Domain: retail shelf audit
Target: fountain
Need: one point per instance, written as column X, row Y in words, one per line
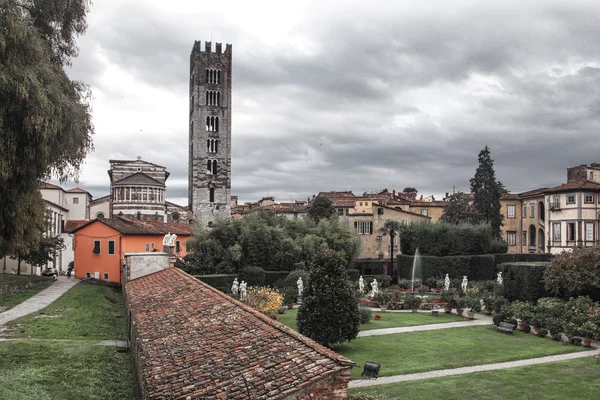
column 416, row 270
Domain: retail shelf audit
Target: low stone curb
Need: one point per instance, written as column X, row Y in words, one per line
column 478, row 321
column 468, row 370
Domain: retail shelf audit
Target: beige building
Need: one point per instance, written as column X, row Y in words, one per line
column 432, row 208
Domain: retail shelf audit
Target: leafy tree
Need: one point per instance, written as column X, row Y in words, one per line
column 45, row 118
column 46, row 250
column 487, row 192
column 320, row 208
column 329, row 311
column 410, row 190
column 393, row 229
column 575, row 273
column 459, row 210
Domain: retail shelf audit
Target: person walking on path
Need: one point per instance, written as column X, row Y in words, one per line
column 39, row 301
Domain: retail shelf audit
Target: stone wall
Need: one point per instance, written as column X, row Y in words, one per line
column 15, row 286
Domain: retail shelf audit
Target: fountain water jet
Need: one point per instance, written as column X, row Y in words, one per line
column 416, row 270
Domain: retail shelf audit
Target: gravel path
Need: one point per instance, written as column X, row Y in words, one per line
column 469, row 370
column 479, row 320
column 40, row 300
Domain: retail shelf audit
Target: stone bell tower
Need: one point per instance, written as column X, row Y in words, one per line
column 209, row 172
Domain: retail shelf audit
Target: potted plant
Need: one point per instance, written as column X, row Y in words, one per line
column 383, row 299
column 474, row 304
column 289, row 296
column 498, row 303
column 488, row 303
column 413, row 302
column 523, row 311
column 588, row 331
column 460, row 304
column 448, row 297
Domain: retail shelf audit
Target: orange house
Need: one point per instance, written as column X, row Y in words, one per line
column 101, row 244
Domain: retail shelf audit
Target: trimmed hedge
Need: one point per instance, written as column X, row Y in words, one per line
column 370, row 267
column 475, row 267
column 522, row 257
column 524, row 280
column 223, row 282
column 443, row 239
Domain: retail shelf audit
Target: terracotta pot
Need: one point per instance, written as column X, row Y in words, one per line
column 383, row 307
column 522, row 326
column 377, row 317
column 459, row 312
column 535, row 330
column 290, row 306
column 414, row 309
column 471, row 314
column 487, row 311
column 585, row 342
column 447, row 309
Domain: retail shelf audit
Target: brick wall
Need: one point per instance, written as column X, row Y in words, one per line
column 334, row 387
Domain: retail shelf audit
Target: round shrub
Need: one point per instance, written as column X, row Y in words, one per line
column 365, row 315
column 254, row 276
column 497, row 318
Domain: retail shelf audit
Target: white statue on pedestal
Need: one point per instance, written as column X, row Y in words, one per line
column 374, row 288
column 361, row 285
column 243, row 290
column 500, row 279
column 464, row 283
column 447, row 283
column 235, row 288
column 300, row 287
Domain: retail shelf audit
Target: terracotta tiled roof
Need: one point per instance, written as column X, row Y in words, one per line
column 575, row 185
column 102, row 199
column 344, row 203
column 429, row 203
column 533, row 193
column 73, row 224
column 135, row 227
column 77, row 190
column 46, row 185
column 336, row 195
column 198, row 343
column 510, row 196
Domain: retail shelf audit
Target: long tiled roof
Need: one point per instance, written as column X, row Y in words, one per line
column 46, row 185
column 139, row 227
column 73, row 224
column 77, row 190
column 533, row 193
column 575, row 185
column 198, row 343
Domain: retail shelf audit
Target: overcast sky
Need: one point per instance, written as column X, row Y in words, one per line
column 351, row 95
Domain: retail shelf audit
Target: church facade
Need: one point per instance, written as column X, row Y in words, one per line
column 209, row 170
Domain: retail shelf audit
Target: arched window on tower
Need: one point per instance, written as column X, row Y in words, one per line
column 209, row 167
column 211, row 195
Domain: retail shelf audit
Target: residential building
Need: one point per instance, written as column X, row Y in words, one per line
column 510, row 207
column 194, row 342
column 431, row 208
column 532, row 237
column 209, row 170
column 100, row 245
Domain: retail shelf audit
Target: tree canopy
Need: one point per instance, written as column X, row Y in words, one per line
column 262, row 239
column 45, row 117
column 459, row 210
column 320, row 208
column 487, row 192
column 329, row 311
column 575, row 273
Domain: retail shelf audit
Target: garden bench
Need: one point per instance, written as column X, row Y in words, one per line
column 435, row 312
column 505, row 327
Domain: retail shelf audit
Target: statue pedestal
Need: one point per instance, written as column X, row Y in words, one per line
column 299, row 299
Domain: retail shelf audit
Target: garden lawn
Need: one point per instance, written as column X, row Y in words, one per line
column 86, row 311
column 9, row 300
column 18, row 278
column 67, row 370
column 573, row 379
column 406, row 353
column 388, row 319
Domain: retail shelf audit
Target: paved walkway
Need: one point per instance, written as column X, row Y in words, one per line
column 469, row 370
column 478, row 321
column 40, row 300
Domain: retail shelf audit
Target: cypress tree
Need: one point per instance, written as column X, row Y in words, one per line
column 487, row 192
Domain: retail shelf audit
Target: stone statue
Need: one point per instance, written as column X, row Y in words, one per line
column 374, row 288
column 447, row 283
column 464, row 283
column 500, row 279
column 243, row 291
column 235, row 288
column 361, row 285
column 300, row 287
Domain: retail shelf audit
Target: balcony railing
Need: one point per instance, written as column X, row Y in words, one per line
column 554, row 205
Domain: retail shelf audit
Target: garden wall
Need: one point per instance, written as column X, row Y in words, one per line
column 15, row 286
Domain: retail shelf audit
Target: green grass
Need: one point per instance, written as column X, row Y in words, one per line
column 85, row 312
column 18, row 278
column 573, row 379
column 388, row 319
column 9, row 300
column 66, row 370
column 406, row 353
